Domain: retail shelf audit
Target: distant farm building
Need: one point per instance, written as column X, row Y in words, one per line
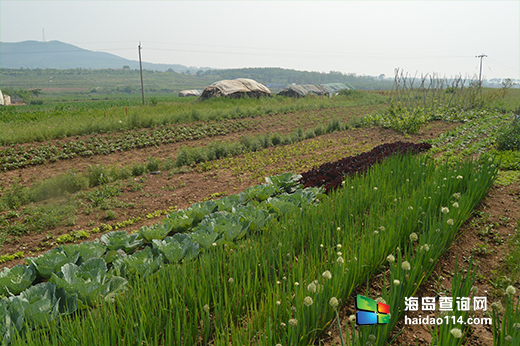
column 235, row 88
column 335, row 87
column 310, row 89
column 194, row 92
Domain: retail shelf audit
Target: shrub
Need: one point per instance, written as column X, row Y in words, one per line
column 276, row 139
column 334, row 125
column 98, row 175
column 152, row 164
column 16, row 196
column 319, row 130
column 509, row 137
column 356, row 122
column 309, row 134
column 138, row 170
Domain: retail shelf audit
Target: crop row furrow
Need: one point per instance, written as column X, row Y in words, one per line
column 22, row 156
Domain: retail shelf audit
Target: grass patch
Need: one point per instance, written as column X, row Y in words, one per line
column 69, row 120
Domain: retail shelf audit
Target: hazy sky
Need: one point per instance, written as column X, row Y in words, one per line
column 362, row 37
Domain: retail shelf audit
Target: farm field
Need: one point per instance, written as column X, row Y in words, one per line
column 74, row 192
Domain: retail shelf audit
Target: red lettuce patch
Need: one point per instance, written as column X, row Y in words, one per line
column 330, row 175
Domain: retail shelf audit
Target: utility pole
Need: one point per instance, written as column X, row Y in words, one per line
column 141, row 68
column 481, row 56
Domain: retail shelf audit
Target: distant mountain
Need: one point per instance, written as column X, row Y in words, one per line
column 59, row 55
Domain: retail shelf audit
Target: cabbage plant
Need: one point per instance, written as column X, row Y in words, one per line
column 89, row 281
column 52, row 261
column 142, row 263
column 116, row 240
column 15, row 280
column 177, row 247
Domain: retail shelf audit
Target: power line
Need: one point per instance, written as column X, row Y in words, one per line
column 503, row 65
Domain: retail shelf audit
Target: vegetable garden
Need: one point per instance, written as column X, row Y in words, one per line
column 275, row 263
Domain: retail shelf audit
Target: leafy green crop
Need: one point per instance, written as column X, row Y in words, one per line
column 231, row 226
column 260, row 192
column 178, row 221
column 176, row 248
column 279, row 207
column 142, row 263
column 16, row 279
column 52, row 261
column 157, row 231
column 198, row 210
column 256, row 217
column 227, row 203
column 44, row 301
column 11, row 319
column 85, row 250
column 287, row 182
column 36, row 306
column 116, row 240
column 89, row 281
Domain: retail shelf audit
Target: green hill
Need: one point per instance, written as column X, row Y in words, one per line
column 59, row 55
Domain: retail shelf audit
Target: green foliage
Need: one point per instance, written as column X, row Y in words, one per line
column 7, row 257
column 509, row 137
column 506, row 178
column 152, row 164
column 36, row 218
column 16, row 196
column 140, row 264
column 17, row 279
column 89, row 281
column 135, row 125
column 44, row 302
column 116, row 240
column 176, row 248
column 11, row 319
column 199, row 210
column 285, row 182
column 51, row 261
column 508, row 159
column 218, row 149
column 260, row 192
column 25, row 95
column 256, row 217
column 64, row 238
column 158, row 232
column 461, row 287
column 400, row 118
column 85, row 250
column 68, row 183
column 228, row 227
column 302, row 246
column 178, row 221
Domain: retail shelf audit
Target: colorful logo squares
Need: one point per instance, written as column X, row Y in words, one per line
column 370, row 311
